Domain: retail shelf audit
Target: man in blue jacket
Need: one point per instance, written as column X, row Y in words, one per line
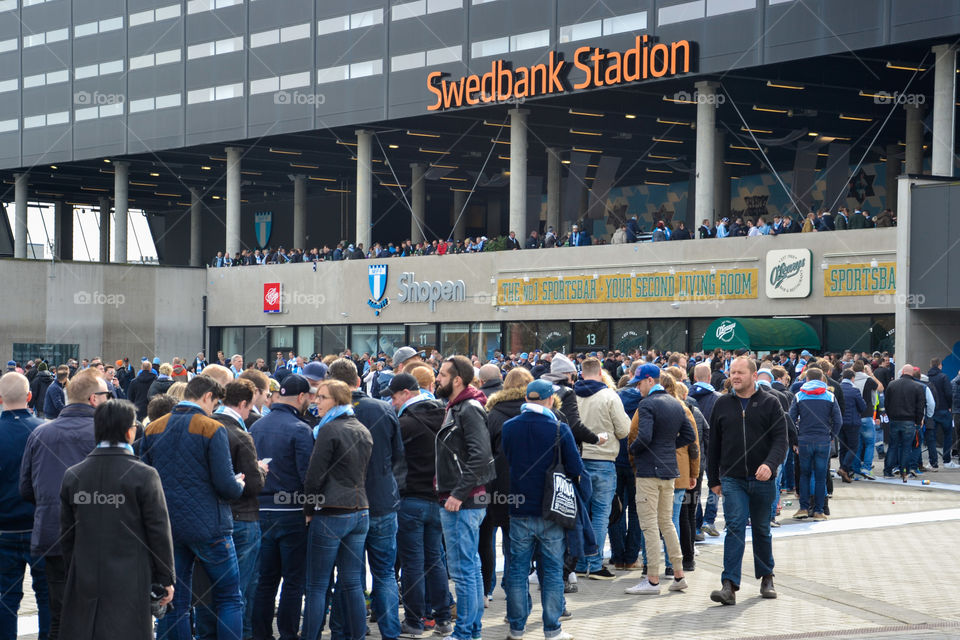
column 385, row 472
column 528, row 441
column 625, row 534
column 818, row 418
column 191, row 453
column 941, row 421
column 55, row 398
column 850, row 431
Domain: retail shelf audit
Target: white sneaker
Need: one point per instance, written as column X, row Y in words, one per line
column 572, row 578
column 533, row 579
column 513, row 635
column 563, row 635
column 951, row 465
column 643, row 588
column 678, row 585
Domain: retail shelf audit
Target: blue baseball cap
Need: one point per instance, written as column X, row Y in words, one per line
column 540, row 390
column 156, row 361
column 806, row 354
column 524, row 356
column 645, row 371
column 315, row 371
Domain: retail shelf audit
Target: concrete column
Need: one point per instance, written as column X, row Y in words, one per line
column 300, row 212
column 944, row 108
column 62, row 230
column 518, row 172
column 196, row 233
column 104, row 230
column 459, row 216
column 914, row 139
column 706, row 151
column 232, row 245
column 553, row 189
column 418, row 203
column 20, row 219
column 121, row 185
column 721, row 181
column 364, row 187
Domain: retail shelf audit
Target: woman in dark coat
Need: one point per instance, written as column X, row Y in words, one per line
column 115, row 535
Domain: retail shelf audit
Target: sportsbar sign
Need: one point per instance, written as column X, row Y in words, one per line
column 596, row 67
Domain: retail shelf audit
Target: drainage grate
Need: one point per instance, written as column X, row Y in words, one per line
column 857, row 632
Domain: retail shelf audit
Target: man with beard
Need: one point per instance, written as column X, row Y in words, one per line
column 285, row 439
column 464, row 466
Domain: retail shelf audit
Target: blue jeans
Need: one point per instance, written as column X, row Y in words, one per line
column 900, row 449
column 382, row 556
column 218, row 558
column 778, row 482
column 461, row 532
column 787, row 475
column 283, row 554
column 336, row 541
column 603, row 474
column 525, row 534
column 849, row 447
column 677, row 505
column 814, row 459
column 941, row 422
column 709, row 514
column 424, row 571
column 868, row 438
column 742, row 499
column 14, row 558
column 625, row 532
column 246, row 539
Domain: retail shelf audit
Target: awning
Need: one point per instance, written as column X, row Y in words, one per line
column 760, row 334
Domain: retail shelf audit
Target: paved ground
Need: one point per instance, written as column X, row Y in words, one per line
column 883, row 567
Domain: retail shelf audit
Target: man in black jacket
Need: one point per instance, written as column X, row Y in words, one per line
column 905, row 402
column 512, row 242
column 138, row 390
column 941, row 421
column 418, row 540
column 748, row 441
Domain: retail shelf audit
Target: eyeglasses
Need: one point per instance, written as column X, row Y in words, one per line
column 101, row 393
column 321, row 396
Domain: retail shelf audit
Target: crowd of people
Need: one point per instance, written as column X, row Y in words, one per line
column 227, row 500
column 628, row 232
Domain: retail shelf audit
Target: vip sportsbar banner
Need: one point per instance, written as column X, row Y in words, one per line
column 721, row 284
column 860, row 279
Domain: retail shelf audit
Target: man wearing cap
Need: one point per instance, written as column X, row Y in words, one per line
column 402, row 357
column 563, row 374
column 662, row 427
column 419, row 542
column 601, row 411
column 314, row 372
column 528, row 441
column 285, row 438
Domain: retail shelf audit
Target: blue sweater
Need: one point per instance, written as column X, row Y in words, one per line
column 16, row 514
column 191, row 452
column 855, row 404
column 387, row 467
column 630, row 397
column 816, row 413
column 527, row 442
column 284, row 437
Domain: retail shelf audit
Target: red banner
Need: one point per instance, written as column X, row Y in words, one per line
column 272, row 297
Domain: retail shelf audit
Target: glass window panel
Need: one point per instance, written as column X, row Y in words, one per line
column 630, row 22
column 553, row 336
column 196, row 6
column 200, row 95
column 848, row 332
column 306, row 341
column 106, row 111
column 58, row 76
column 254, row 344
column 422, row 336
column 229, row 91
column 333, row 74
column 366, row 18
column 264, row 85
column 296, row 32
column 85, row 29
column 281, row 338
column 591, row 336
column 114, row 66
column 294, row 80
column 8, row 45
column 698, row 327
column 34, row 81
column 392, row 337
column 717, row 7
column 629, row 335
column 34, row 40
column 60, row 117
column 57, row 35
column 530, row 40
column 229, row 45
column 8, row 125
column 363, row 339
column 170, row 100
column 165, row 57
column 334, row 340
column 409, row 10
column 333, row 25
column 369, row 68
column 201, row 50
column 445, row 55
column 454, row 338
column 87, row 71
column 264, row 38
column 8, row 5
column 111, row 24
column 668, row 335
column 170, row 11
column 521, row 336
column 486, row 340
column 141, row 17
column 492, row 47
column 231, row 341
column 145, row 104
column 9, row 85
column 681, row 12
column 407, row 61
column 582, row 31
column 139, row 62
column 89, row 113
column 38, row 121
column 436, row 6
column 883, row 333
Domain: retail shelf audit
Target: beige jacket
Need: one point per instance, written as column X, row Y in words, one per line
column 603, row 412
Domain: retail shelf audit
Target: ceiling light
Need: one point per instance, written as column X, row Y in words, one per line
column 224, row 159
column 496, row 124
column 741, row 164
column 319, row 179
column 143, row 184
column 393, row 146
column 443, row 166
column 824, row 155
column 574, row 112
column 585, row 133
column 749, row 130
column 630, row 116
column 680, row 123
column 336, row 190
column 678, row 100
column 345, row 143
column 437, row 151
column 857, row 118
column 738, row 146
column 275, row 150
column 107, row 160
column 92, row 189
column 304, row 166
column 453, row 179
column 423, row 135
column 216, row 197
column 461, row 190
column 169, row 195
column 205, row 168
column 656, row 139
column 662, row 184
column 153, row 174
column 392, row 184
column 769, row 109
column 659, row 170
column 813, row 134
column 564, row 162
column 904, row 67
column 503, row 157
column 496, row 141
column 653, row 155
column 53, row 166
column 248, row 173
column 777, row 84
column 587, row 150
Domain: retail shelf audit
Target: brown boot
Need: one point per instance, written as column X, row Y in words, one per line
column 766, row 587
column 726, row 595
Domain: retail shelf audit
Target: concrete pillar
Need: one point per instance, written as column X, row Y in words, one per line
column 518, row 172
column 944, row 108
column 364, row 187
column 914, row 139
column 121, row 185
column 418, row 203
column 104, row 230
column 459, row 215
column 706, row 151
column 553, row 189
column 299, row 212
column 232, row 245
column 721, row 182
column 196, row 233
column 62, row 230
column 20, row 219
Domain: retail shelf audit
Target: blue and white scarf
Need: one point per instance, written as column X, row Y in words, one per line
column 336, row 412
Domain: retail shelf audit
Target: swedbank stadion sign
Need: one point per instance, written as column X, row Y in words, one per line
column 591, row 67
column 789, row 272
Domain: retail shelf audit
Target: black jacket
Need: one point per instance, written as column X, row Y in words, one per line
column 138, row 390
column 337, row 475
column 463, row 457
column 243, row 453
column 512, row 243
column 786, row 399
column 491, row 387
column 905, row 399
column 570, row 414
column 500, row 408
column 662, row 428
column 742, row 440
column 942, row 392
column 158, row 387
column 38, row 389
column 387, row 469
column 419, row 424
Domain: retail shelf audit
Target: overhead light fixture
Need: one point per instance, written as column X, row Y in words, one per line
column 248, row 173
column 678, row 100
column 734, row 162
column 205, row 168
column 303, row 166
column 219, row 159
column 653, row 155
column 496, row 141
column 856, row 118
column 154, row 174
column 437, row 151
column 583, row 132
column 506, row 173
column 215, row 197
column 169, row 195
column 656, row 139
column 904, row 66
column 392, row 184
column 824, row 155
column 592, row 114
column 143, row 184
column 53, row 166
column 92, row 189
column 749, row 130
column 393, row 146
column 777, row 84
column 593, row 166
column 757, row 107
column 679, row 123
column 336, row 190
column 503, row 157
column 320, row 179
column 461, row 190
column 564, row 162
column 107, row 160
column 346, row 143
column 813, row 134
column 443, row 166
column 496, row 124
column 423, row 135
column 659, row 170
column 581, row 150
column 453, row 179
column 660, row 184
column 744, row 148
column 288, row 152
column 107, row 171
column 630, row 116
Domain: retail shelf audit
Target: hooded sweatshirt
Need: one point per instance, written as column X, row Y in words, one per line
column 816, row 413
column 601, row 410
